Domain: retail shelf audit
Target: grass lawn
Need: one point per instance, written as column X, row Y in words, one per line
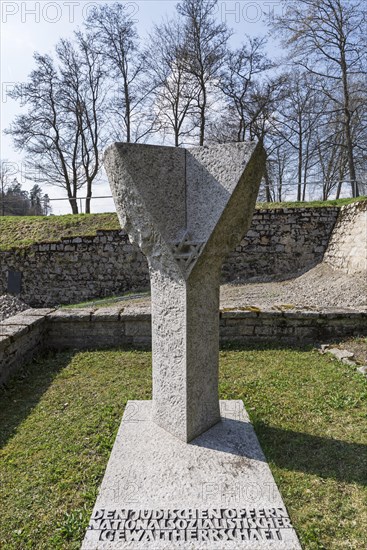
column 23, row 231
column 58, row 423
column 310, row 204
column 110, row 301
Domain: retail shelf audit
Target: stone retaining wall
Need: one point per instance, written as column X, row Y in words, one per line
column 347, row 249
column 76, row 269
column 33, row 330
column 280, row 242
column 84, row 328
column 21, row 338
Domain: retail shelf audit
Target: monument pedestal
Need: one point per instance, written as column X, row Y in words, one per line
column 215, row 493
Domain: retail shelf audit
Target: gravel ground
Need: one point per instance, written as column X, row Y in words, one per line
column 10, row 305
column 319, row 288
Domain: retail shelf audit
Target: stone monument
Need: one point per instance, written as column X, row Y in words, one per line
column 186, row 209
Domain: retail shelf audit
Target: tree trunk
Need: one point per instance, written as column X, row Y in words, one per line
column 267, row 185
column 339, row 190
column 2, row 199
column 348, row 132
column 89, row 196
column 299, row 184
column 280, row 186
column 127, row 110
column 304, row 191
column 74, row 205
column 300, row 158
column 340, row 183
column 324, row 193
column 202, row 115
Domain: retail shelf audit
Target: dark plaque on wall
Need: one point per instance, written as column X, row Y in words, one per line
column 14, row 282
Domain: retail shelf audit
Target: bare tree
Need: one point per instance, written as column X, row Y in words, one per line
column 60, row 132
column 175, row 89
column 43, row 131
column 238, row 80
column 115, row 39
column 326, row 38
column 359, row 129
column 83, row 96
column 296, row 122
column 250, row 100
column 279, row 165
column 206, row 42
column 331, row 155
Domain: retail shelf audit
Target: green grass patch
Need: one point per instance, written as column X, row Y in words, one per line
column 109, row 301
column 310, row 204
column 58, row 424
column 23, row 231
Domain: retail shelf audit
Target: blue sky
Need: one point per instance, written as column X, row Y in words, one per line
column 29, row 26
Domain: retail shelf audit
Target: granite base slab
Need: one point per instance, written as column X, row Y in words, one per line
column 214, row 493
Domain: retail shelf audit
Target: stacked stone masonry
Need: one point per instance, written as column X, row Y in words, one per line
column 347, row 248
column 21, row 338
column 76, row 269
column 279, row 242
column 28, row 333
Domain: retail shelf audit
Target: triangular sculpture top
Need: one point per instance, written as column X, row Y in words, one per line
column 179, row 193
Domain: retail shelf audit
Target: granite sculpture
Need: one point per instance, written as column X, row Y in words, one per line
column 186, row 209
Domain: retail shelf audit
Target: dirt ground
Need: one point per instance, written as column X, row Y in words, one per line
column 319, row 288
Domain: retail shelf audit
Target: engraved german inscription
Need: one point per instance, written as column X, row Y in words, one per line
column 188, row 524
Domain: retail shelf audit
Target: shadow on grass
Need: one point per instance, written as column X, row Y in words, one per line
column 24, row 391
column 322, row 456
